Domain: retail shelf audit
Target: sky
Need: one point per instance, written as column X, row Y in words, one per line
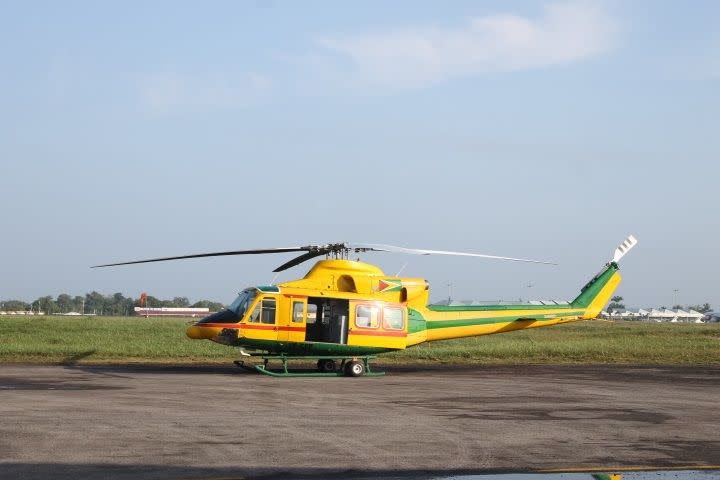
column 548, row 130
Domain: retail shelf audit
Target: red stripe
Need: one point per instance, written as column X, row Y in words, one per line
column 270, row 327
column 234, row 326
column 257, row 327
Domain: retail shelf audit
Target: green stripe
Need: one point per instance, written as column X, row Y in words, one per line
column 309, row 348
column 492, row 308
column 593, row 287
column 416, row 322
column 468, row 322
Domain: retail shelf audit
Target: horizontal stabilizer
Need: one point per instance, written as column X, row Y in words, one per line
column 624, row 247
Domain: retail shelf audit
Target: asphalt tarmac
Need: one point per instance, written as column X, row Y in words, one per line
column 165, row 422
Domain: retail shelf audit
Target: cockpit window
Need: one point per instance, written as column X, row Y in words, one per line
column 236, row 310
column 241, row 303
column 264, row 312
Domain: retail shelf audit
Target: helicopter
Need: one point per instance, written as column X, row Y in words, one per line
column 344, row 312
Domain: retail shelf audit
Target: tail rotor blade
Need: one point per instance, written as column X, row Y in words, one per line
column 624, row 248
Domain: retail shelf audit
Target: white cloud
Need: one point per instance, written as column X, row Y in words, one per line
column 415, row 57
column 166, row 92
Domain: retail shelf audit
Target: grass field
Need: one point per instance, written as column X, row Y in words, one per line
column 90, row 340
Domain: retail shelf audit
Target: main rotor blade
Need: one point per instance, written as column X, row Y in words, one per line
column 298, row 260
column 212, row 254
column 417, row 251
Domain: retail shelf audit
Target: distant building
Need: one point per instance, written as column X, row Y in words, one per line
column 20, row 312
column 656, row 315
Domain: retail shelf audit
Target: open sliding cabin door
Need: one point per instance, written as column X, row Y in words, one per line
column 327, row 320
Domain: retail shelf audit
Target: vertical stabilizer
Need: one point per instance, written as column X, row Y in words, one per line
column 598, row 291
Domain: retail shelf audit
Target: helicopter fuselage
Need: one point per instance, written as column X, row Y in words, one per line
column 344, row 307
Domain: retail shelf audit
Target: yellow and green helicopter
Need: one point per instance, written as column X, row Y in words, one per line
column 348, row 311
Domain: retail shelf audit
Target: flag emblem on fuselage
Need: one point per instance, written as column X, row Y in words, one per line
column 389, row 286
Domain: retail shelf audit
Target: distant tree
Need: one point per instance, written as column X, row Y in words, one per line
column 94, row 303
column 213, row 306
column 180, row 302
column 64, row 302
column 704, row 308
column 77, row 303
column 45, row 304
column 117, row 304
column 15, row 305
column 615, row 303
column 677, row 307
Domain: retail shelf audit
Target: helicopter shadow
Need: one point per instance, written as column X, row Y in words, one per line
column 124, row 370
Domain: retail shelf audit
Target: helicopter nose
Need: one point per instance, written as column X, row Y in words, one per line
column 198, row 332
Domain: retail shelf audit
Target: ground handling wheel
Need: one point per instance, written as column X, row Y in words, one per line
column 326, row 365
column 354, row 368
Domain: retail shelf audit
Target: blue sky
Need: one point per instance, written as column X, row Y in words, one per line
column 544, row 130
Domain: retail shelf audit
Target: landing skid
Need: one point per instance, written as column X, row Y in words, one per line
column 349, row 366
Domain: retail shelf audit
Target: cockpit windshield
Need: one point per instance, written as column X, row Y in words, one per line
column 241, row 303
column 236, row 310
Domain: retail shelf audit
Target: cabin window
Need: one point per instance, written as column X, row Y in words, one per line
column 366, row 316
column 298, row 312
column 264, row 312
column 268, row 311
column 311, row 313
column 393, row 318
column 255, row 315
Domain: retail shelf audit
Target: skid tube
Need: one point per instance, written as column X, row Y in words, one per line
column 339, row 372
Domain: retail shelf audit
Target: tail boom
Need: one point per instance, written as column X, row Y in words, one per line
column 442, row 322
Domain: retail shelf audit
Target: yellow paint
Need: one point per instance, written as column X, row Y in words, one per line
column 197, row 332
column 603, row 297
column 363, row 284
column 286, row 317
column 489, row 314
column 488, row 329
column 416, row 338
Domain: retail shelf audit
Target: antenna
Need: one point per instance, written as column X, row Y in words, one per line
column 401, row 269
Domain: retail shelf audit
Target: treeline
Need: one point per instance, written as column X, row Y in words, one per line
column 616, row 304
column 99, row 304
column 704, row 308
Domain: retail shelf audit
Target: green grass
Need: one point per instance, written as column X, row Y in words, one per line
column 128, row 340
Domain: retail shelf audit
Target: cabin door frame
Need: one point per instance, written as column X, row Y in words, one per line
column 292, row 326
